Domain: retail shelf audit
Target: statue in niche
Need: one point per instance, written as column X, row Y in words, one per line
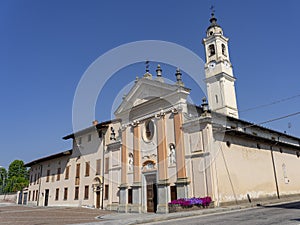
column 172, row 156
column 130, row 161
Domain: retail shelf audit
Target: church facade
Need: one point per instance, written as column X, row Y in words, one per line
column 160, row 148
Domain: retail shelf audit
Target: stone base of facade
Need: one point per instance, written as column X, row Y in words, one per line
column 123, row 198
column 134, row 208
column 113, row 207
column 123, row 208
column 162, row 208
column 182, row 189
column 163, row 197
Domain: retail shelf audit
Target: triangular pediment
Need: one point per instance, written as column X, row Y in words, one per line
column 145, row 91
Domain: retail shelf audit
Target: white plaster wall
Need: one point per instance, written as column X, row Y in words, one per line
column 245, row 170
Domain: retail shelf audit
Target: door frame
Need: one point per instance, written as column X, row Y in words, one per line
column 148, row 177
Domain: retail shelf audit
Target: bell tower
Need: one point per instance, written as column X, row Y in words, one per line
column 218, row 71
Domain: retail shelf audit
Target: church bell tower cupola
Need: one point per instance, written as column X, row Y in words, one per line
column 218, row 71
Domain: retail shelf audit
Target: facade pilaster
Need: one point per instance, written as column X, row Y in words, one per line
column 123, row 186
column 162, row 185
column 136, row 187
column 182, row 180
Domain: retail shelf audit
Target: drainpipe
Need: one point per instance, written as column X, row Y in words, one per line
column 40, row 181
column 102, row 135
column 103, row 149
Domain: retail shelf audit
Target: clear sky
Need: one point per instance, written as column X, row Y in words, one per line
column 46, row 46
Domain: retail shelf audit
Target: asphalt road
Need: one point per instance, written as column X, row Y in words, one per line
column 286, row 214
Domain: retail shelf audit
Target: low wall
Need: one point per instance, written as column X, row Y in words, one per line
column 8, row 198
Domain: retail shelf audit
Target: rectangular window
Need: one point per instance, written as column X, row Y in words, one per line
column 87, row 169
column 106, row 189
column 86, row 192
column 58, row 173
column 76, row 193
column 77, row 177
column 67, row 172
column 56, row 194
column 48, row 176
column 34, row 178
column 173, row 193
column 106, row 165
column 36, row 195
column 129, row 196
column 38, row 179
column 89, row 137
column 66, row 194
column 30, row 179
column 29, row 193
column 77, row 170
column 98, row 166
column 33, row 195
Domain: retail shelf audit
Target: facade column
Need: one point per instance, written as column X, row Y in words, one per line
column 136, row 187
column 182, row 181
column 162, row 158
column 123, row 186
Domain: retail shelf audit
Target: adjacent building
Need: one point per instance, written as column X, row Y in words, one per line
column 160, row 147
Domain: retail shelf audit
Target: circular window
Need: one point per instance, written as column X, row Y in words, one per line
column 148, row 130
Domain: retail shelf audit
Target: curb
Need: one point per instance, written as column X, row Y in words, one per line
column 177, row 215
column 186, row 214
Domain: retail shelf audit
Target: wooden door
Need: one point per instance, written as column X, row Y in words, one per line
column 46, row 197
column 151, row 198
column 98, row 199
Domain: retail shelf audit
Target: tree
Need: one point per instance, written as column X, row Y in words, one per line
column 15, row 184
column 17, row 169
column 3, row 178
column 17, row 177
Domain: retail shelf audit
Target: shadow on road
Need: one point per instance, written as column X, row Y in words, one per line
column 293, row 205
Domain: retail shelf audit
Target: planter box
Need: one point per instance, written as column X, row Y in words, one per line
column 179, row 208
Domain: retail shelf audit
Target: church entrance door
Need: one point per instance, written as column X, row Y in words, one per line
column 151, row 191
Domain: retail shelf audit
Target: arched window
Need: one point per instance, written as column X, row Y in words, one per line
column 223, row 49
column 211, row 49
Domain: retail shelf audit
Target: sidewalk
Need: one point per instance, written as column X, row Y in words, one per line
column 3, row 204
column 142, row 218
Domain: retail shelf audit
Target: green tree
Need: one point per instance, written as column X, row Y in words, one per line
column 15, row 184
column 3, row 178
column 17, row 177
column 17, row 169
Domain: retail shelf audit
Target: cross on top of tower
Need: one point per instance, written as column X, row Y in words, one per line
column 213, row 19
column 147, row 66
column 147, row 74
column 212, row 9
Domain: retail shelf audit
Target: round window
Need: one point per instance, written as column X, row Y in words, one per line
column 148, row 130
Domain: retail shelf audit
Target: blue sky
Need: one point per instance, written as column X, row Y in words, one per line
column 46, row 46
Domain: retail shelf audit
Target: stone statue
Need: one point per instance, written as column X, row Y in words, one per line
column 172, row 158
column 130, row 161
